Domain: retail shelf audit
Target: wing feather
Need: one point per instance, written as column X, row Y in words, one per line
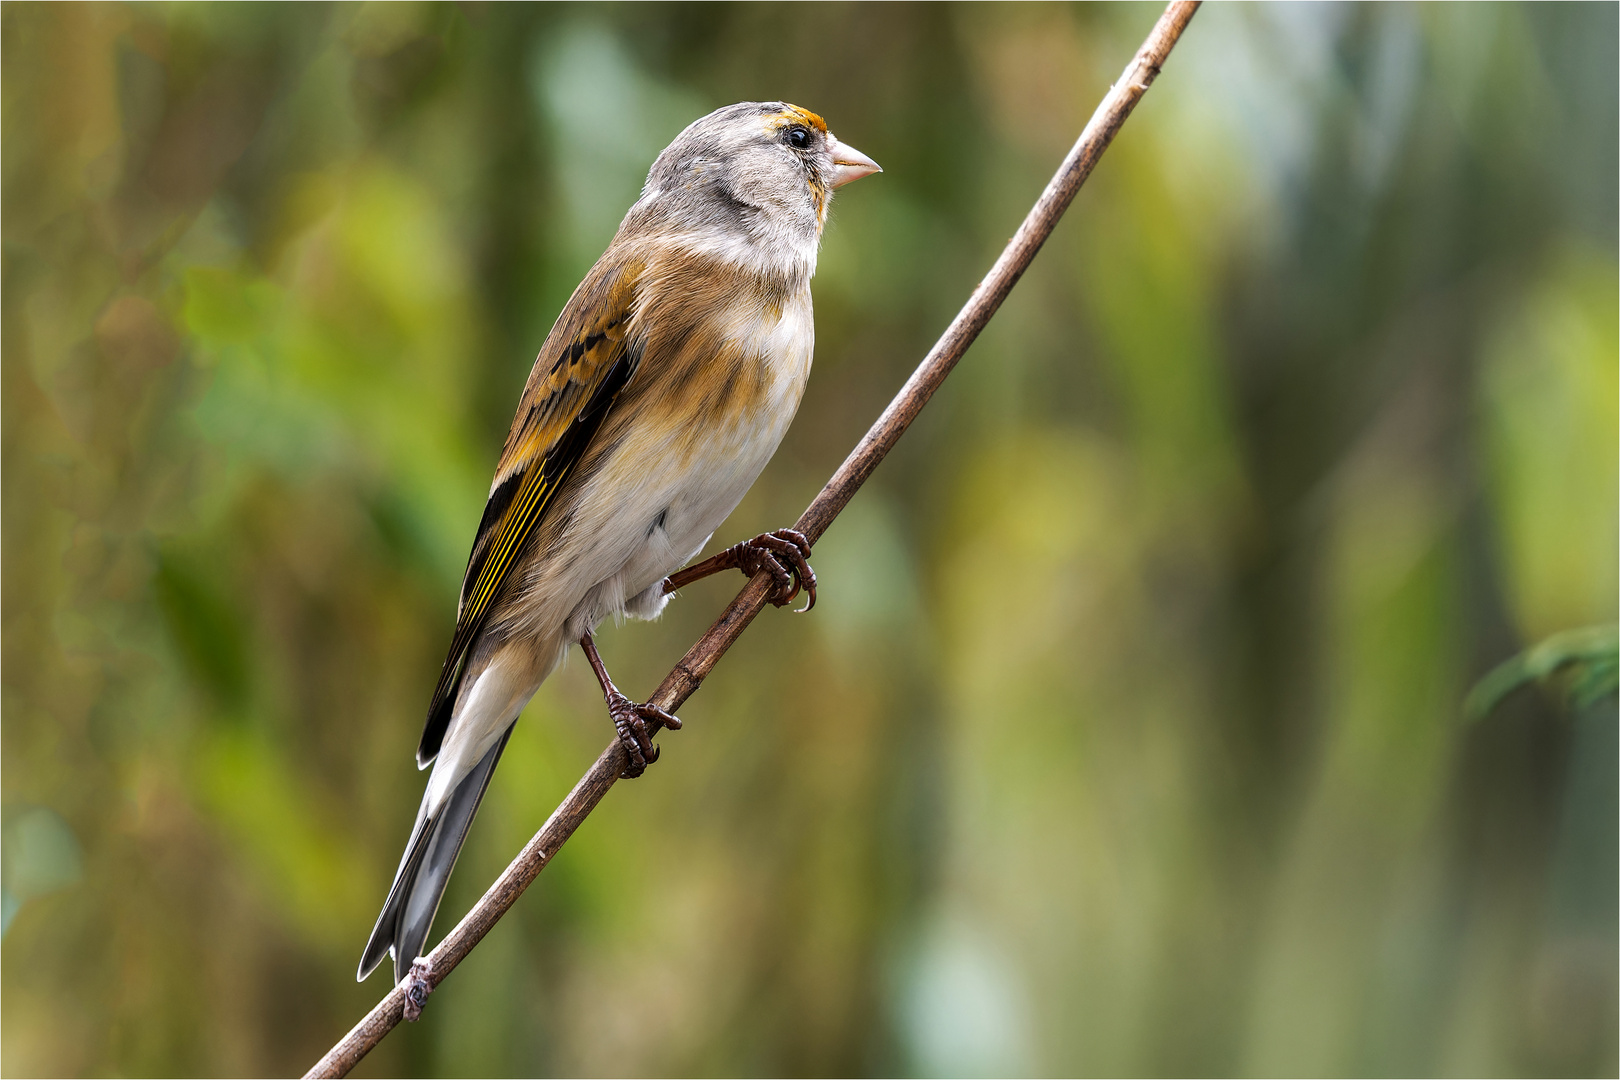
column 585, row 364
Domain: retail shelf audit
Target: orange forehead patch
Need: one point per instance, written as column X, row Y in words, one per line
column 793, row 114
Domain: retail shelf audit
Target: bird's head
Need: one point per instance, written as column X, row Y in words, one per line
column 766, row 167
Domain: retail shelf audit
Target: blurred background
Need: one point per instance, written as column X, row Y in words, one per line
column 1128, row 735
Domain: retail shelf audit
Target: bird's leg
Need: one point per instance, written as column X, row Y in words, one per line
column 629, row 719
column 783, row 552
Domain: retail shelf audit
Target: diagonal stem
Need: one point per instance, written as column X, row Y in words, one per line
column 701, row 658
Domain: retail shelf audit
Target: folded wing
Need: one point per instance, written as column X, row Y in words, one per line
column 585, row 364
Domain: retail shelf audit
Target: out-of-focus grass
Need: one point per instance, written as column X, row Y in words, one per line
column 1125, row 737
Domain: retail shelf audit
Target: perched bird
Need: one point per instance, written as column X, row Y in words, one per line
column 659, row 395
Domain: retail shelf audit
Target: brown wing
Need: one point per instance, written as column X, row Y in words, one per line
column 582, row 368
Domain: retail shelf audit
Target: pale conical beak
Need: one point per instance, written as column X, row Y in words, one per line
column 850, row 164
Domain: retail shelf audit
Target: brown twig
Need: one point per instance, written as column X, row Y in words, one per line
column 701, row 658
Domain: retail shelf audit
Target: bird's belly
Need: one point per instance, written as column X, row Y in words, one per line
column 655, row 502
column 666, row 518
column 700, row 487
column 700, row 498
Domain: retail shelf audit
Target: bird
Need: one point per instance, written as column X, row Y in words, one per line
column 663, row 388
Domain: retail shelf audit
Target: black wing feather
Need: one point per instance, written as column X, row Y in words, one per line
column 532, row 489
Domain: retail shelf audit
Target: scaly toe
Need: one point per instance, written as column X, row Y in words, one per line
column 632, row 730
column 649, row 711
column 796, row 538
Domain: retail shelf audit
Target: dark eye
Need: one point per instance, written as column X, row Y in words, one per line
column 798, row 137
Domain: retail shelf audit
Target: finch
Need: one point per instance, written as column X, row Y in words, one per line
column 664, row 387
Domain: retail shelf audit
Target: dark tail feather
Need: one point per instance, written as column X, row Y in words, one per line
column 402, row 928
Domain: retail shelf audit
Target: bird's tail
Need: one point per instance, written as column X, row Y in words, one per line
column 402, row 928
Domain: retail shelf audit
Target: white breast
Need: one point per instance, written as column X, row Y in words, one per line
column 653, row 506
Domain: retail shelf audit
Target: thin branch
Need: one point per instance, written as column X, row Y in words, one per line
column 701, row 658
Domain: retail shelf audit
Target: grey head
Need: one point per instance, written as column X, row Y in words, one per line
column 766, row 167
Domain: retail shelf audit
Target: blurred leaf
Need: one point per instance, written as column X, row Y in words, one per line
column 222, row 309
column 1551, row 414
column 205, row 628
column 1592, row 654
column 41, row 856
column 283, row 831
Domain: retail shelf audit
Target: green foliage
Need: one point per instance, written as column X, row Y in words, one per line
column 1589, row 657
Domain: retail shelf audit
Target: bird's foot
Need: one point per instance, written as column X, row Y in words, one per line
column 418, row 985
column 630, row 721
column 783, row 553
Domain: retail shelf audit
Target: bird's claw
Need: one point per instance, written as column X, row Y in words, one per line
column 630, row 721
column 418, row 985
column 785, row 554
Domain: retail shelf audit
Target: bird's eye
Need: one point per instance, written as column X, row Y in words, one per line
column 798, row 137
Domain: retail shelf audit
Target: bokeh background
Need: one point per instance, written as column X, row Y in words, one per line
column 1127, row 737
